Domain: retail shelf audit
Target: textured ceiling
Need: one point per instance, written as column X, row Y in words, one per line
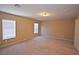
column 56, row 11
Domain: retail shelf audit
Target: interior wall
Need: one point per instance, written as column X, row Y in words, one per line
column 24, row 28
column 60, row 29
column 0, row 28
column 76, row 39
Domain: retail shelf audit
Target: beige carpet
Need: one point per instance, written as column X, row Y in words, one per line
column 41, row 46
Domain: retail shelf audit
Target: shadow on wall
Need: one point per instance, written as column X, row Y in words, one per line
column 62, row 29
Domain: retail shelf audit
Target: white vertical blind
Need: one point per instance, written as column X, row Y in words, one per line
column 8, row 29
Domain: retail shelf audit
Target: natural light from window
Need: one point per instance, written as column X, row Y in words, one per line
column 35, row 27
column 8, row 29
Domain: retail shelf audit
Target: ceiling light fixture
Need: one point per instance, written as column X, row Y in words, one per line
column 44, row 14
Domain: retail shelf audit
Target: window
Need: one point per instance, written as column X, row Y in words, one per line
column 35, row 27
column 9, row 29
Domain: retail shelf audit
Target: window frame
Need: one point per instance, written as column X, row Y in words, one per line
column 6, row 37
column 36, row 31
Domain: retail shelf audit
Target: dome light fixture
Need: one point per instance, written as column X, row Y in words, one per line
column 44, row 14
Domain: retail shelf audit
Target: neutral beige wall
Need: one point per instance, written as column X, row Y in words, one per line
column 24, row 27
column 61, row 29
column 76, row 39
column 0, row 28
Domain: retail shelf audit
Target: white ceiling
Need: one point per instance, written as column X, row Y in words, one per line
column 56, row 11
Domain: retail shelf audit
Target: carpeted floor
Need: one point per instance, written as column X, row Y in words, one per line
column 41, row 46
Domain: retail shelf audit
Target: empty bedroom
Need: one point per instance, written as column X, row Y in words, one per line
column 39, row 29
